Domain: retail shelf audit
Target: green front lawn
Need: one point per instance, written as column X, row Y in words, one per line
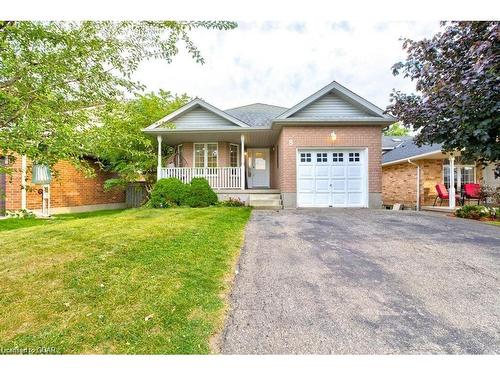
column 135, row 281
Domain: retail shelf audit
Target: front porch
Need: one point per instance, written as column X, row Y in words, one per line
column 413, row 182
column 228, row 161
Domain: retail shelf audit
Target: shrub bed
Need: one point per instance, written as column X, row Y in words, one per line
column 169, row 192
column 477, row 212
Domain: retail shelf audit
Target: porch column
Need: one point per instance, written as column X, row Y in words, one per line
column 451, row 192
column 158, row 170
column 242, row 163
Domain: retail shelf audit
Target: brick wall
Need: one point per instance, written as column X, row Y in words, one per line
column 69, row 188
column 292, row 138
column 431, row 175
column 399, row 182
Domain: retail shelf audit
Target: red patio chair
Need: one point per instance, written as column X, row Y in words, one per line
column 471, row 191
column 443, row 194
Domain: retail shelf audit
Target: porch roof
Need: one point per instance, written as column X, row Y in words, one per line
column 409, row 150
column 253, row 137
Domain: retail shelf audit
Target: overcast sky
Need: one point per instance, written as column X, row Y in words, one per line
column 283, row 62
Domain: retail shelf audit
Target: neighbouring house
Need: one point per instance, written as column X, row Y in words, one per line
column 407, row 166
column 70, row 189
column 322, row 152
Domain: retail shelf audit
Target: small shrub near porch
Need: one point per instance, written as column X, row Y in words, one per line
column 171, row 192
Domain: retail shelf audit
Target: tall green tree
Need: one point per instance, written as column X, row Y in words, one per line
column 397, row 130
column 457, row 76
column 119, row 143
column 51, row 73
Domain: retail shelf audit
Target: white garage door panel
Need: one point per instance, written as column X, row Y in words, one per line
column 338, row 171
column 306, row 171
column 323, row 186
column 305, row 185
column 332, row 178
column 305, row 200
column 322, row 199
column 354, row 171
column 322, row 171
column 338, row 185
column 354, row 185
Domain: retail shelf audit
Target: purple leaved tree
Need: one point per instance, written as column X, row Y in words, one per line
column 457, row 76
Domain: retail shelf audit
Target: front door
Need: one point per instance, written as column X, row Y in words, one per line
column 258, row 167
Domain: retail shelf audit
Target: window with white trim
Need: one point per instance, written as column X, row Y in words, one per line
column 464, row 174
column 180, row 155
column 305, row 157
column 205, row 155
column 234, row 155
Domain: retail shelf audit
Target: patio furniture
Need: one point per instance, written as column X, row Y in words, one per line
column 443, row 194
column 471, row 191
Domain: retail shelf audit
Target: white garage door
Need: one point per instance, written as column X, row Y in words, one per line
column 331, row 178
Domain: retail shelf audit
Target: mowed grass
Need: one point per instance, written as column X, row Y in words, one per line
column 136, row 281
column 13, row 223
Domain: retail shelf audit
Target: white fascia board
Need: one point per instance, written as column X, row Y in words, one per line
column 333, row 120
column 189, row 106
column 335, row 86
column 202, row 130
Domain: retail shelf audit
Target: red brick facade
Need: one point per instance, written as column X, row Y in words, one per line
column 69, row 188
column 292, row 138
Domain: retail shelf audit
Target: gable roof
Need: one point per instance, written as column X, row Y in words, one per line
column 257, row 115
column 196, row 103
column 342, row 106
column 344, row 93
column 408, row 149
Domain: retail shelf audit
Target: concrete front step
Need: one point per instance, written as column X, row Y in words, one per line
column 265, row 201
column 258, row 197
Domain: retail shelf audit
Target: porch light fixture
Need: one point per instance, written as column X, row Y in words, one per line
column 333, row 136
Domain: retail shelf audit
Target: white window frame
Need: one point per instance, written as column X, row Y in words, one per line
column 458, row 173
column 238, row 158
column 178, row 157
column 205, row 154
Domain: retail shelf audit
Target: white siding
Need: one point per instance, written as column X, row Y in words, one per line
column 201, row 118
column 331, row 105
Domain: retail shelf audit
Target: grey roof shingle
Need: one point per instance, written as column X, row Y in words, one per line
column 392, row 141
column 257, row 115
column 408, row 149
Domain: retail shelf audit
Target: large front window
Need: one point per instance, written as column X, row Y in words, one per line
column 205, row 155
column 464, row 174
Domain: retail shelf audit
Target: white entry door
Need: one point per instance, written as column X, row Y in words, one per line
column 258, row 167
column 332, row 178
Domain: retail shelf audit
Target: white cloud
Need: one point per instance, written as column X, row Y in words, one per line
column 282, row 63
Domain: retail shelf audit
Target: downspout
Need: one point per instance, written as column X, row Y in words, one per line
column 418, row 183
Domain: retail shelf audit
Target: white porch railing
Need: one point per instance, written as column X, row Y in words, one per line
column 218, row 178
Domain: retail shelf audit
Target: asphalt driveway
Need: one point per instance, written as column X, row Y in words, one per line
column 365, row 282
